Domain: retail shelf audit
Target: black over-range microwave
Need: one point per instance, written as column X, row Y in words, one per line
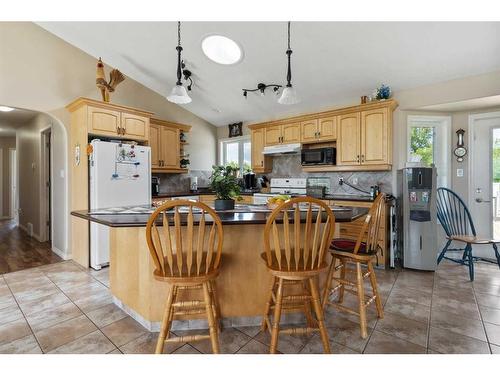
column 319, row 156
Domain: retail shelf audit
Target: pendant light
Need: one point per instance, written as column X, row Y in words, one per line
column 289, row 95
column 179, row 95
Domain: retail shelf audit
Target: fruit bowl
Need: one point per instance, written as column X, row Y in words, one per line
column 276, row 201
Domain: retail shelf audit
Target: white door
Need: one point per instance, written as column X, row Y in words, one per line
column 482, row 188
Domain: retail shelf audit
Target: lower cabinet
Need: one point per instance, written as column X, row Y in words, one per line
column 351, row 230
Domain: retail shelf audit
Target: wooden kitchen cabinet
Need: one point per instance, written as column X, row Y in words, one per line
column 90, row 117
column 135, row 127
column 110, row 121
column 154, row 143
column 170, row 148
column 375, row 136
column 290, row 133
column 349, row 141
column 319, row 130
column 361, row 134
column 272, row 135
column 309, row 131
column 166, row 146
column 351, row 229
column 102, row 121
column 282, row 134
column 327, row 128
column 365, row 139
column 260, row 162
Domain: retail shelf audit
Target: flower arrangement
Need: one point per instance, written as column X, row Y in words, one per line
column 383, row 92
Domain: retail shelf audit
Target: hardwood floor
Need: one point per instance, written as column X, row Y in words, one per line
column 18, row 251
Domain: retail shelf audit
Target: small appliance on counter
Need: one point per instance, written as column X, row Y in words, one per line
column 193, row 184
column 155, row 186
column 319, row 156
column 417, row 227
column 249, row 181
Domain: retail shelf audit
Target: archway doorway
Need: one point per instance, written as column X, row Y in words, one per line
column 34, row 224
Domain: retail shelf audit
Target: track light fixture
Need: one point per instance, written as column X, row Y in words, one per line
column 262, row 88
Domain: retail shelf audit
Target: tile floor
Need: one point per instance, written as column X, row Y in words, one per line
column 62, row 308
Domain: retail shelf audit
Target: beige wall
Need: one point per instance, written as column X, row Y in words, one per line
column 42, row 72
column 6, row 143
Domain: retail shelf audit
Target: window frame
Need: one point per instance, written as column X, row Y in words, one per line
column 241, row 141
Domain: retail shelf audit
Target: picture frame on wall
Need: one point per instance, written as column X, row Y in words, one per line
column 236, row 129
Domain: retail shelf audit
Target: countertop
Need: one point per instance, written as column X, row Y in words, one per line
column 242, row 214
column 339, row 197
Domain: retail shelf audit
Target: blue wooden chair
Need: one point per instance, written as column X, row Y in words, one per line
column 457, row 222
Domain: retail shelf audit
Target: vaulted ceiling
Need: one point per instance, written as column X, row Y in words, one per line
column 333, row 63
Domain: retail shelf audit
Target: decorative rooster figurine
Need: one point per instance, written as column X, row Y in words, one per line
column 115, row 77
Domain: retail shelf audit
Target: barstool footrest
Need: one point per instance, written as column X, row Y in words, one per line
column 343, row 308
column 299, row 330
column 188, row 304
column 297, row 297
column 187, row 338
column 190, row 312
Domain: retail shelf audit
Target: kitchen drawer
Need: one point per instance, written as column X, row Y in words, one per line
column 207, row 198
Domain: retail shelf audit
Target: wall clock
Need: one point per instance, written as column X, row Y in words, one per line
column 460, row 151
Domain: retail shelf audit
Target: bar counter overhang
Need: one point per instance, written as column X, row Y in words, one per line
column 241, row 286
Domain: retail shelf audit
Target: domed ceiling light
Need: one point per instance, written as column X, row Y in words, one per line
column 179, row 95
column 289, row 95
column 222, row 50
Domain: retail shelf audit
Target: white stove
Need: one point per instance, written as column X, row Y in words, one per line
column 295, row 186
column 291, row 186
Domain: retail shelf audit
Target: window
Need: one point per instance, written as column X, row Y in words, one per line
column 429, row 143
column 237, row 152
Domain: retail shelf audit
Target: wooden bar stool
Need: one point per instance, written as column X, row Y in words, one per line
column 295, row 255
column 187, row 259
column 360, row 252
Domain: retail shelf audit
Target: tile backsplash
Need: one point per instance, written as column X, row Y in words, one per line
column 286, row 166
column 171, row 183
column 289, row 166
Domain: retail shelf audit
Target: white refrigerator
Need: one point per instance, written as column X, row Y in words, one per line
column 120, row 175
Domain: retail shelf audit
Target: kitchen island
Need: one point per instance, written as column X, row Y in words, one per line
column 243, row 281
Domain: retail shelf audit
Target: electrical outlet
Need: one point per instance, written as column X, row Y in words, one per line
column 355, row 181
column 341, row 180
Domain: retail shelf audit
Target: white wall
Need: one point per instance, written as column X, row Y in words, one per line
column 31, row 182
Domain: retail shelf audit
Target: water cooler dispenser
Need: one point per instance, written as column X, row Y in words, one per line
column 417, row 225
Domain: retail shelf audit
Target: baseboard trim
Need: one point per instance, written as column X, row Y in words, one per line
column 35, row 236
column 61, row 253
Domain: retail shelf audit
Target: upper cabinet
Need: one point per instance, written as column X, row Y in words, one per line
column 282, row 134
column 134, row 126
column 319, row 130
column 260, row 162
column 348, row 145
column 112, row 120
column 361, row 134
column 365, row 139
column 167, row 149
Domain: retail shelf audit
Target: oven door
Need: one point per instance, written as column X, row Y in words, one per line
column 313, row 156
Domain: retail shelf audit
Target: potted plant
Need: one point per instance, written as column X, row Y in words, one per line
column 224, row 184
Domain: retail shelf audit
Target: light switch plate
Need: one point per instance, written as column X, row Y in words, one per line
column 460, row 172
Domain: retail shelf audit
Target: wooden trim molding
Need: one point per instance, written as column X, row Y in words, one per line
column 77, row 103
column 156, row 121
column 390, row 103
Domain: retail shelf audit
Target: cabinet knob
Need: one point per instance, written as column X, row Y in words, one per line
column 362, row 158
column 357, row 158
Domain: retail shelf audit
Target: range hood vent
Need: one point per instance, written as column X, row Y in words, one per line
column 291, row 148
